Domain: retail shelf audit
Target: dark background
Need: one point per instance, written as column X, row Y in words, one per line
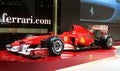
column 70, row 14
column 39, row 9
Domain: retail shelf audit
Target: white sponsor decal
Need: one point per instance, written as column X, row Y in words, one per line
column 102, row 28
column 22, row 20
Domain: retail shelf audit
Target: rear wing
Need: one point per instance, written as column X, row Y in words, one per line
column 103, row 28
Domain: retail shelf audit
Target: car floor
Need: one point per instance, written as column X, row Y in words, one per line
column 107, row 64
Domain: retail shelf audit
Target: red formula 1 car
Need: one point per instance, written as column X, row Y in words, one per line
column 78, row 38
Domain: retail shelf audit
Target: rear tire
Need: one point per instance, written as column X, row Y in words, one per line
column 55, row 45
column 106, row 42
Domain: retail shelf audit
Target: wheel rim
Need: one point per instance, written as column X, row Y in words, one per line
column 58, row 46
column 109, row 42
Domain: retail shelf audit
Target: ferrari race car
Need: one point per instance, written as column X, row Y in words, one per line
column 78, row 38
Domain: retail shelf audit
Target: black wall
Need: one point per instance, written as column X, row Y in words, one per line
column 70, row 14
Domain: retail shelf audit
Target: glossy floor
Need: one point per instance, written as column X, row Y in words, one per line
column 12, row 62
column 107, row 64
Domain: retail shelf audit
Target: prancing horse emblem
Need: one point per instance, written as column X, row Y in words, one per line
column 92, row 11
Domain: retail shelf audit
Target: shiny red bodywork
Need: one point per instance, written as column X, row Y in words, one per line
column 34, row 40
column 76, row 37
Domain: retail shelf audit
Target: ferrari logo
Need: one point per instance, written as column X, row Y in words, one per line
column 65, row 38
column 92, row 11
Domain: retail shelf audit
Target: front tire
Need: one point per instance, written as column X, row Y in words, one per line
column 55, row 45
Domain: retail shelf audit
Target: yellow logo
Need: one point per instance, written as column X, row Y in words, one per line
column 91, row 57
column 82, row 40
